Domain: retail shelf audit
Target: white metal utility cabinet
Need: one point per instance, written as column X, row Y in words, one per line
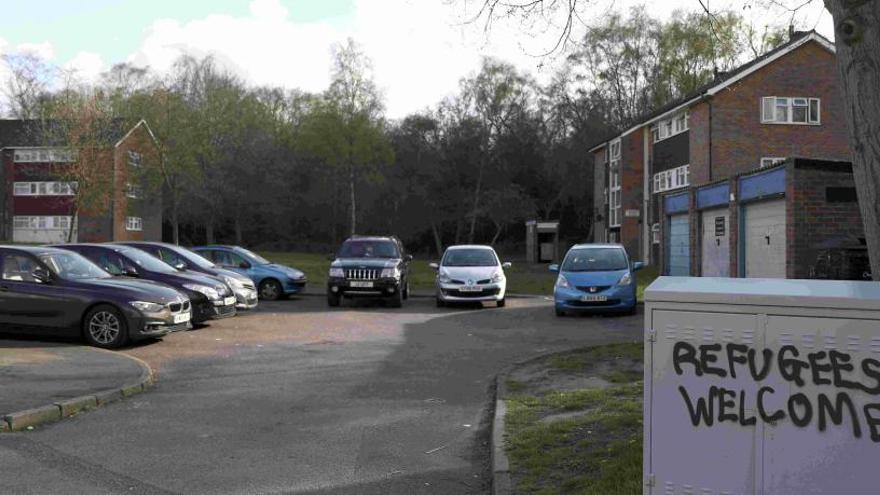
column 762, row 386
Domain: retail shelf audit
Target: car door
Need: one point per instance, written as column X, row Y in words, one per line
column 28, row 302
column 233, row 261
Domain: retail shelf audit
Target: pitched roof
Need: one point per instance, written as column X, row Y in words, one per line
column 723, row 80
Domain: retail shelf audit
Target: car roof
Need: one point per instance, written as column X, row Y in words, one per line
column 371, row 238
column 218, row 246
column 471, row 246
column 605, row 245
column 35, row 250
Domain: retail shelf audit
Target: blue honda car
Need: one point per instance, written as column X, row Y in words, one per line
column 273, row 281
column 596, row 278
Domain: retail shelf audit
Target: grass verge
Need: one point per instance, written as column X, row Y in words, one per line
column 522, row 278
column 582, row 441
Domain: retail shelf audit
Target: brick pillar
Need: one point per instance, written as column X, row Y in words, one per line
column 694, row 227
column 733, row 225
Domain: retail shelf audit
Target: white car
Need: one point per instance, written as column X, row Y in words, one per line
column 470, row 273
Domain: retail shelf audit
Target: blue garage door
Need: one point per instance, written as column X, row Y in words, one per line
column 678, row 246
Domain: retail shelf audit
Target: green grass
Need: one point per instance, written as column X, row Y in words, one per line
column 595, row 447
column 522, row 278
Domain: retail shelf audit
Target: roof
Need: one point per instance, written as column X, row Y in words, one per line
column 722, row 81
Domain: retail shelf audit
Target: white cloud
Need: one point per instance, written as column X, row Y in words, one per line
column 43, row 50
column 86, row 66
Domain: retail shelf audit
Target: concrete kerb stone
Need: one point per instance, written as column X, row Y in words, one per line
column 32, row 418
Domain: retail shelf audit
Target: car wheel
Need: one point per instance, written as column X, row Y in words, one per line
column 270, row 290
column 501, row 303
column 560, row 312
column 105, row 327
column 333, row 299
column 397, row 299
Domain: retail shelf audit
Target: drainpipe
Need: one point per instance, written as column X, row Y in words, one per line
column 710, row 140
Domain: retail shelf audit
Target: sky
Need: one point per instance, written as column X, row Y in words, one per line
column 420, row 49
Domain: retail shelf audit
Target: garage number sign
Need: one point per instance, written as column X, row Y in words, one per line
column 720, row 226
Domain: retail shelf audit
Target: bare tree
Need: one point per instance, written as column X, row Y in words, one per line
column 28, row 84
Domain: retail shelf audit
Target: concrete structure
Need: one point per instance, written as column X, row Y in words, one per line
column 784, row 104
column 40, row 201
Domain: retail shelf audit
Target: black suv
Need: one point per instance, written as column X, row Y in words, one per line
column 369, row 266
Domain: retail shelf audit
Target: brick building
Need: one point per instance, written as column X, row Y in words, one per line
column 691, row 186
column 38, row 199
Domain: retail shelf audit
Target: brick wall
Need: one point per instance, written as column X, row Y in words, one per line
column 149, row 206
column 699, row 143
column 600, row 182
column 739, row 139
column 632, row 175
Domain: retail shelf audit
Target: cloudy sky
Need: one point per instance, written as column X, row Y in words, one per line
column 420, row 48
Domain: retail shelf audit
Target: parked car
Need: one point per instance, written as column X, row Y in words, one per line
column 60, row 292
column 470, row 273
column 596, row 278
column 184, row 259
column 273, row 281
column 211, row 299
column 372, row 267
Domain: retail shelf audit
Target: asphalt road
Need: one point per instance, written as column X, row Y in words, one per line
column 296, row 398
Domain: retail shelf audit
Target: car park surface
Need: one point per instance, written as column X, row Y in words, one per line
column 273, row 281
column 293, row 398
column 211, row 298
column 54, row 291
column 187, row 260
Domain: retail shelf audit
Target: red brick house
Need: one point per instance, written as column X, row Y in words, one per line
column 37, row 203
column 697, row 186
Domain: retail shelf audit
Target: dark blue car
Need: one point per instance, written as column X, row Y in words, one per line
column 52, row 291
column 595, row 278
column 273, row 281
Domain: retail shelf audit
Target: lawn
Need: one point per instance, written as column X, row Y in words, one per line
column 583, row 441
column 522, row 278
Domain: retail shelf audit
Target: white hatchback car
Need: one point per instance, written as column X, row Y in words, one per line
column 470, row 273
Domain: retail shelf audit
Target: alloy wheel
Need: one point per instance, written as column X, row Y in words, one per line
column 104, row 327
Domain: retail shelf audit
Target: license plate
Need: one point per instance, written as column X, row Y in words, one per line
column 182, row 318
column 364, row 285
column 229, row 300
column 594, row 298
column 470, row 289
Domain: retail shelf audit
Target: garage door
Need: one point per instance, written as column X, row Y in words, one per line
column 715, row 247
column 678, row 246
column 765, row 239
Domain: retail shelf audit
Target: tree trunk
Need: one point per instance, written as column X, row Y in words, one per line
column 857, row 39
column 438, row 242
column 72, row 227
column 175, row 224
column 353, row 208
column 238, row 236
column 457, row 231
column 477, row 190
column 498, row 228
column 209, row 232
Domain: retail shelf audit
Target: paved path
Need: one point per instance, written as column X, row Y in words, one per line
column 294, row 398
column 37, row 373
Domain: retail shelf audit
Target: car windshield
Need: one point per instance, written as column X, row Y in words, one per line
column 147, row 261
column 192, row 257
column 470, row 257
column 72, row 266
column 256, row 258
column 368, row 249
column 595, row 260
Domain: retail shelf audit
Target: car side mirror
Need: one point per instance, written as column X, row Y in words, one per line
column 180, row 265
column 554, row 268
column 434, row 266
column 638, row 265
column 506, row 265
column 41, row 275
column 244, row 265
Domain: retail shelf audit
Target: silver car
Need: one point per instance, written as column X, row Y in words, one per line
column 470, row 273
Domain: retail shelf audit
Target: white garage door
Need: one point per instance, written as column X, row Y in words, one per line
column 678, row 246
column 765, row 239
column 715, row 243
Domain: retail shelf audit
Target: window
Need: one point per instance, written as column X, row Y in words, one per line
column 43, row 155
column 655, row 233
column 135, row 159
column 133, row 191
column 672, row 179
column 41, row 223
column 790, row 110
column 18, row 268
column 44, row 188
column 769, row 161
column 671, row 127
column 614, row 207
column 135, row 224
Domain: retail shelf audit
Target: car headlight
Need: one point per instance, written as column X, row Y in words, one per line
column 626, row 279
column 209, row 292
column 390, row 273
column 337, row 273
column 295, row 275
column 444, row 278
column 233, row 282
column 562, row 283
column 147, row 307
column 497, row 277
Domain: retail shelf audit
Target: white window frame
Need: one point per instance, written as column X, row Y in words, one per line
column 670, row 127
column 614, row 189
column 43, row 155
column 134, row 224
column 133, row 191
column 674, row 178
column 772, row 106
column 41, row 222
column 44, row 188
column 769, row 161
column 135, row 159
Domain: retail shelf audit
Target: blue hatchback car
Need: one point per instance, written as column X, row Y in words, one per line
column 273, row 281
column 596, row 278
